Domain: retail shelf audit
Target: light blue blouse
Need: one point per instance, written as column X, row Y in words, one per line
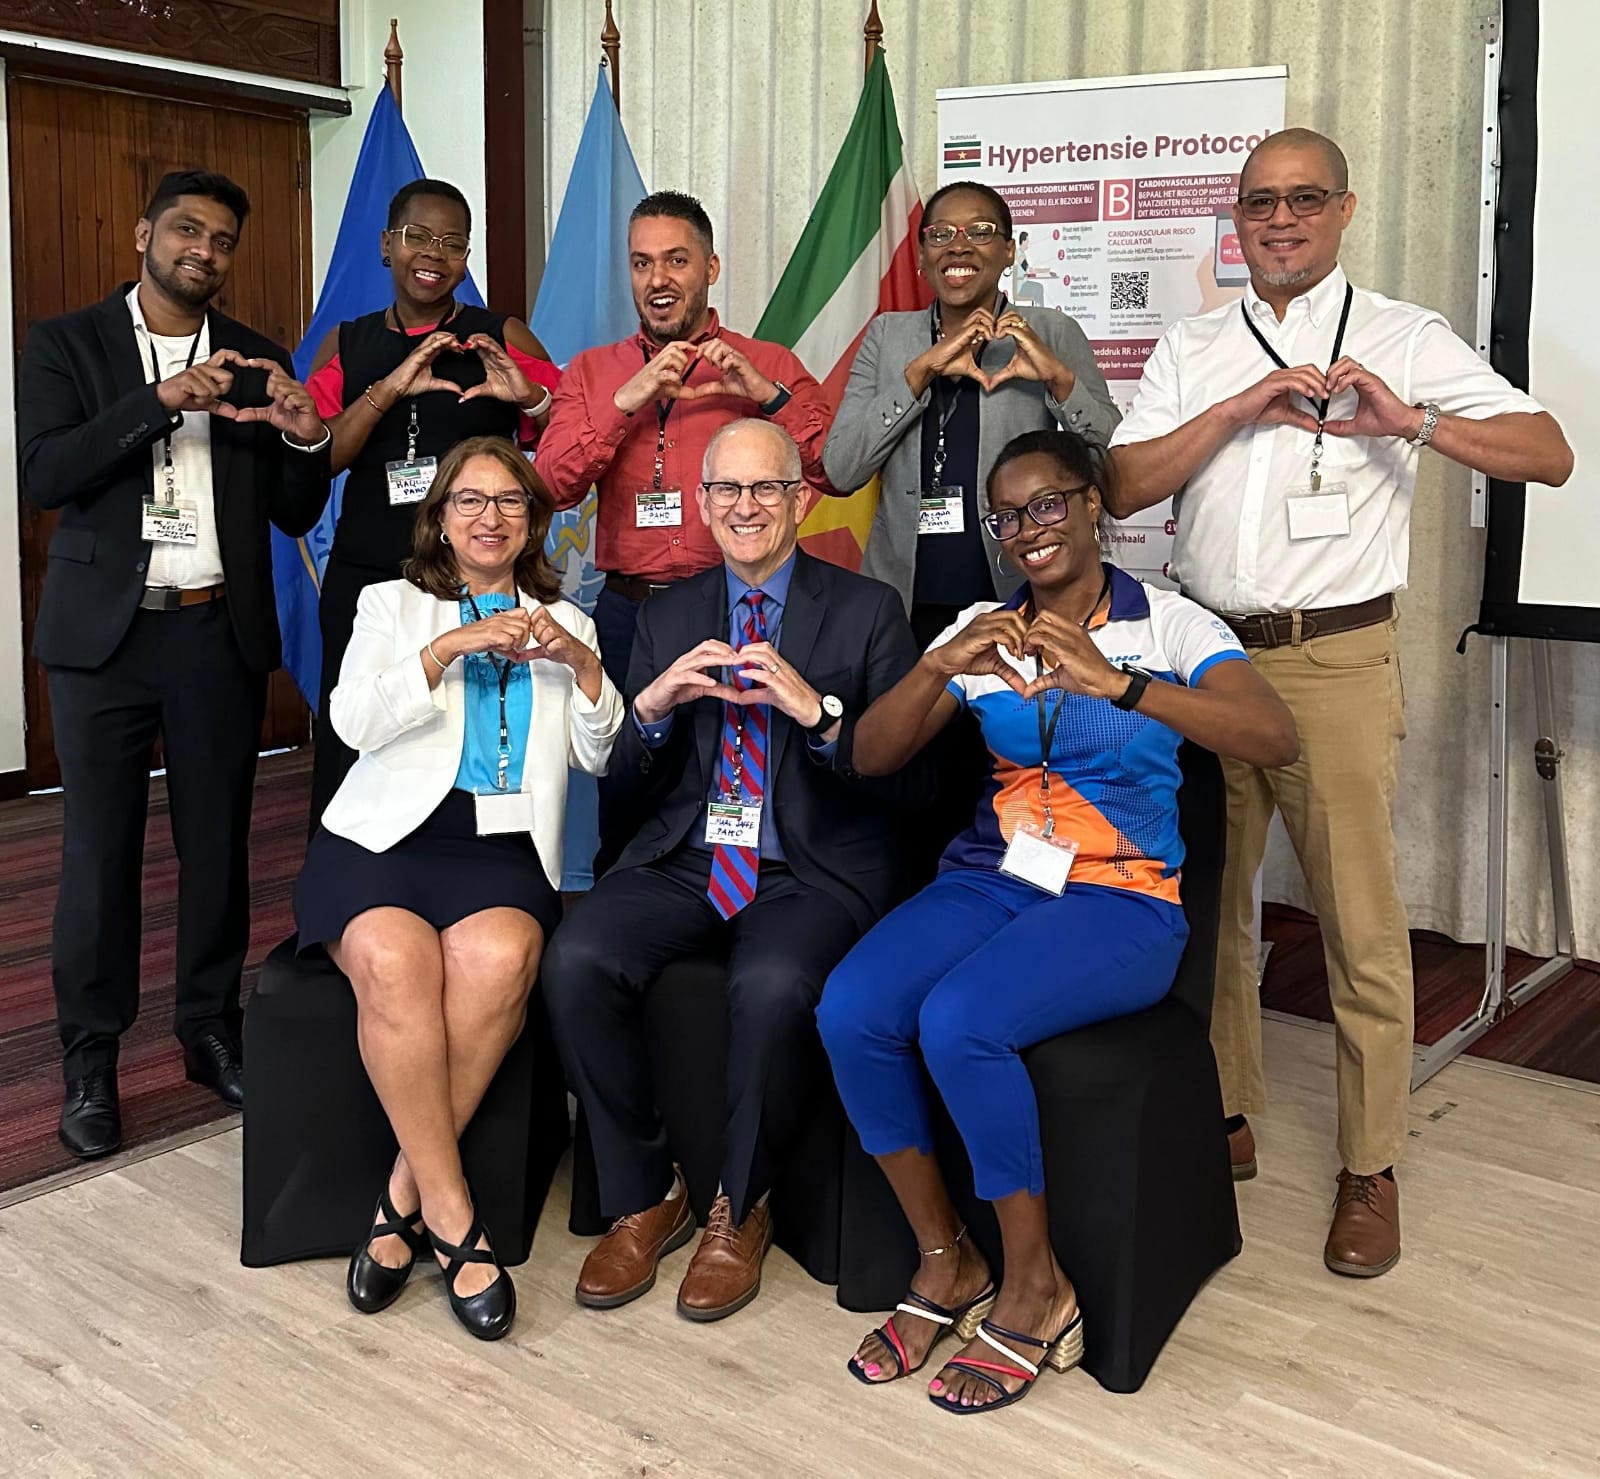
column 480, row 746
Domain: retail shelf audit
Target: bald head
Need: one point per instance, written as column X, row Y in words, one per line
column 752, row 496
column 765, row 441
column 1329, row 154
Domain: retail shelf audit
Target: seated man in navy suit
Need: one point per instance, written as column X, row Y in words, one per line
column 759, row 841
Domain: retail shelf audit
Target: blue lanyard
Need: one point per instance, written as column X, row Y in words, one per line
column 503, row 672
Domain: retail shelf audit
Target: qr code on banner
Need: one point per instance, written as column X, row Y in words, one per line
column 1130, row 290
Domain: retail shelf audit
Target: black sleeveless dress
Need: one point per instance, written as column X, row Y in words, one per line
column 373, row 538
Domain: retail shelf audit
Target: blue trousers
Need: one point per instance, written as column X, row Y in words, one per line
column 971, row 971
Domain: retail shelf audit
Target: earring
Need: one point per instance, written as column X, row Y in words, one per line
column 386, row 261
column 1000, row 561
column 443, row 537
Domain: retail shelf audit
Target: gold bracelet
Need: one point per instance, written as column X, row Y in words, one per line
column 366, row 395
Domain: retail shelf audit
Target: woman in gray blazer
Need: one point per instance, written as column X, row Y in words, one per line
column 932, row 398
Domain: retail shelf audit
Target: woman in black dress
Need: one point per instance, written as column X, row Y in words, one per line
column 400, row 388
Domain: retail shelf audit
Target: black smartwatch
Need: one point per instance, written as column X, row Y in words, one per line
column 832, row 713
column 778, row 402
column 1137, row 683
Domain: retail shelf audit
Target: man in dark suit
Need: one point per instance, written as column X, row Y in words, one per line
column 168, row 435
column 760, row 840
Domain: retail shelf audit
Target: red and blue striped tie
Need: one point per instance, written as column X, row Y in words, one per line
column 744, row 749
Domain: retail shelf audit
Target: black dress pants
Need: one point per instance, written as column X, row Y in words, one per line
column 780, row 948
column 615, row 618
column 180, row 675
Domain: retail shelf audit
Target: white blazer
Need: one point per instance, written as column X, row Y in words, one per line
column 410, row 736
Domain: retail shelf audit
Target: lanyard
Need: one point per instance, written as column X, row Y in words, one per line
column 166, row 441
column 1322, row 405
column 1047, row 726
column 503, row 672
column 737, row 777
column 411, row 430
column 945, row 410
column 663, row 410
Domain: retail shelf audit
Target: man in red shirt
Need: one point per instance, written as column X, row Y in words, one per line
column 632, row 419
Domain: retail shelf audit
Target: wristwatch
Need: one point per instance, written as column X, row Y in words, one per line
column 778, row 402
column 1137, row 683
column 832, row 713
column 1430, row 419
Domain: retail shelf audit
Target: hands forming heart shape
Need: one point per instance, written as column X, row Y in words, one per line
column 1066, row 654
column 957, row 356
column 503, row 379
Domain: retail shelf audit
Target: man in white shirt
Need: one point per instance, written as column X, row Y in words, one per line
column 168, row 435
column 1288, row 428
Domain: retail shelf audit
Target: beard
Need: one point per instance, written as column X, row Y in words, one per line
column 679, row 328
column 195, row 291
column 1287, row 278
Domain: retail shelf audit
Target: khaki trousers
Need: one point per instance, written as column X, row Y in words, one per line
column 1346, row 697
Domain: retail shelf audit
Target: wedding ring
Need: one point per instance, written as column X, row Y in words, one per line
column 772, row 667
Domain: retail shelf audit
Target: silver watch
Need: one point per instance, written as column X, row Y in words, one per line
column 1430, row 419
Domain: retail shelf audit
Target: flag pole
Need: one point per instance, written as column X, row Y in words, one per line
column 871, row 33
column 393, row 59
column 611, row 55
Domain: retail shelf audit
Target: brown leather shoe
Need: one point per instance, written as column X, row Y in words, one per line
column 622, row 1265
column 1364, row 1240
column 725, row 1272
column 1242, row 1152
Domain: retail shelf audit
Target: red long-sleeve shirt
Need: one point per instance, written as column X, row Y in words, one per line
column 590, row 443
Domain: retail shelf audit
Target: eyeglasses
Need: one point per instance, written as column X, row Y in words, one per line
column 419, row 239
column 1262, row 205
column 1044, row 508
column 769, row 492
column 511, row 505
column 979, row 233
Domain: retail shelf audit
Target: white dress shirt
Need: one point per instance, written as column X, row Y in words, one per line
column 189, row 566
column 1232, row 550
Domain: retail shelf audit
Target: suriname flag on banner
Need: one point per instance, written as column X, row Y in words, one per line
column 856, row 258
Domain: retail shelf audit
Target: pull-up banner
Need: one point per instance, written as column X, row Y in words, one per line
column 1119, row 189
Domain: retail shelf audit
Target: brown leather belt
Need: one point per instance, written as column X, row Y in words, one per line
column 171, row 598
column 1290, row 628
column 636, row 587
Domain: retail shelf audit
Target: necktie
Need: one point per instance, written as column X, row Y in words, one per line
column 742, row 772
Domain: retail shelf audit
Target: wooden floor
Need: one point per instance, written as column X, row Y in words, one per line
column 132, row 1342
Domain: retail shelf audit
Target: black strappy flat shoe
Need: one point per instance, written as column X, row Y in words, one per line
column 374, row 1286
column 489, row 1313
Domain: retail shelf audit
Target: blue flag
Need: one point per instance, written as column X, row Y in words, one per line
column 586, row 299
column 357, row 283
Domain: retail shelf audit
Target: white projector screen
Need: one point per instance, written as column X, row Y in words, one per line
column 1561, row 526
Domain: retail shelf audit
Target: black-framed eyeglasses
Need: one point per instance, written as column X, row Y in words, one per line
column 1262, row 205
column 1043, row 509
column 979, row 233
column 419, row 239
column 769, row 492
column 470, row 504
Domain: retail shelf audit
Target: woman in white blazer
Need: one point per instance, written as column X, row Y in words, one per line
column 469, row 687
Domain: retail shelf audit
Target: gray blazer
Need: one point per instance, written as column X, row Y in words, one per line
column 878, row 427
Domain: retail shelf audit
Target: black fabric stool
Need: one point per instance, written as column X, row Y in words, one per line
column 1142, row 1209
column 686, row 1027
column 317, row 1144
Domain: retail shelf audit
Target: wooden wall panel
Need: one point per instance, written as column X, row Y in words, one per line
column 84, row 160
column 295, row 39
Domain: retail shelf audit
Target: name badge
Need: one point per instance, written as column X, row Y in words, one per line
column 733, row 824
column 409, row 481
column 1324, row 514
column 658, row 508
column 170, row 523
column 503, row 811
column 942, row 510
column 1045, row 862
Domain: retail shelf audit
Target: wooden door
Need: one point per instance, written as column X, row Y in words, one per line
column 84, row 160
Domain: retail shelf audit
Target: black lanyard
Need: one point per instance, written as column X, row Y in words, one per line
column 1333, row 359
column 411, row 430
column 663, row 410
column 945, row 408
column 166, row 441
column 1047, row 726
column 503, row 672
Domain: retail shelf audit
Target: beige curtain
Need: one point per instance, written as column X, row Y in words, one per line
column 745, row 102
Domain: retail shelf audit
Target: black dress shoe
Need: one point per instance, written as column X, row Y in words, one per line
column 374, row 1286
column 216, row 1064
column 489, row 1313
column 91, row 1118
